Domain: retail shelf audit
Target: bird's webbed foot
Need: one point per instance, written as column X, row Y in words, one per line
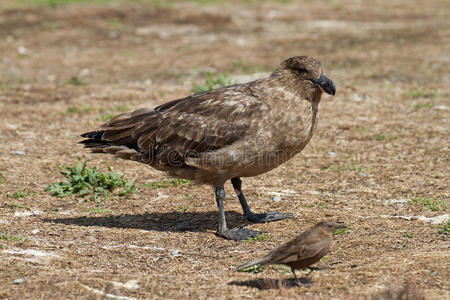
column 267, row 217
column 238, row 233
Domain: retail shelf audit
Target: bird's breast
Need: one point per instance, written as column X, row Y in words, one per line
column 294, row 127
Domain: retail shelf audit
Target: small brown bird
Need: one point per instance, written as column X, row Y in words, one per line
column 303, row 251
column 241, row 130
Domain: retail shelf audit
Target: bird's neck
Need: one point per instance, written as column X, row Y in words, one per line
column 324, row 232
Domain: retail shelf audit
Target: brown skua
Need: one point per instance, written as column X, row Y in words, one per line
column 241, row 130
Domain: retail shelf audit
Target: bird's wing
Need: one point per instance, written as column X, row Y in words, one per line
column 188, row 126
column 292, row 252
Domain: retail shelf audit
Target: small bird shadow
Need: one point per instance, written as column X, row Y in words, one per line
column 269, row 283
column 171, row 221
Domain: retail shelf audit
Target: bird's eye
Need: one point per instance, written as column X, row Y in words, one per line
column 301, row 70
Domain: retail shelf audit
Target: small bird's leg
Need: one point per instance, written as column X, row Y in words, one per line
column 293, row 272
column 248, row 214
column 236, row 234
column 311, row 269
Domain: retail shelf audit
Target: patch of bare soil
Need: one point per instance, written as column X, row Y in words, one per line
column 379, row 160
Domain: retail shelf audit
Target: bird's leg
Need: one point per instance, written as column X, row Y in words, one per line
column 311, row 269
column 236, row 234
column 293, row 272
column 248, row 214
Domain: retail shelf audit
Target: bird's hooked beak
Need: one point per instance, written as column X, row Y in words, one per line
column 325, row 84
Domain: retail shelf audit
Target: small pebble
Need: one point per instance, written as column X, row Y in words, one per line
column 18, row 281
column 18, row 152
column 362, row 174
column 331, row 154
column 22, row 50
column 175, row 253
column 276, row 198
column 35, row 231
column 113, row 34
column 400, row 205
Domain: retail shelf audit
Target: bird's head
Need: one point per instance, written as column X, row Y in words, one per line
column 308, row 69
column 331, row 226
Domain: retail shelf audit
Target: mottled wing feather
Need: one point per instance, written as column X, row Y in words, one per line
column 302, row 253
column 298, row 249
column 195, row 124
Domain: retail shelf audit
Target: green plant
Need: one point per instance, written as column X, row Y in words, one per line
column 253, row 269
column 122, row 108
column 83, row 108
column 165, row 183
column 75, row 81
column 211, row 83
column 423, row 105
column 348, row 167
column 430, row 203
column 408, row 235
column 115, row 24
column 444, row 228
column 19, row 194
column 183, row 208
column 108, row 114
column 422, row 93
column 17, row 205
column 382, row 137
column 106, row 117
column 259, row 237
column 341, row 231
column 96, row 210
column 2, row 178
column 282, row 269
column 9, row 237
column 82, row 181
column 53, row 3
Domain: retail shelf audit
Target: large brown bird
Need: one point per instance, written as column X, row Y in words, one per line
column 241, row 130
column 304, row 250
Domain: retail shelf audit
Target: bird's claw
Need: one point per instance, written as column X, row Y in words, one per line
column 267, row 217
column 238, row 233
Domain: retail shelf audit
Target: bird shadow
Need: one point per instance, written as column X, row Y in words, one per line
column 171, row 221
column 270, row 283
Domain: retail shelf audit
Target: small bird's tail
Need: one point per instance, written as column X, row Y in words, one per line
column 258, row 261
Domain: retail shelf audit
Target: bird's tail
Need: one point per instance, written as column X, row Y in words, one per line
column 258, row 261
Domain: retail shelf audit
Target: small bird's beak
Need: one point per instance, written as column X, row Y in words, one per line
column 342, row 226
column 325, row 84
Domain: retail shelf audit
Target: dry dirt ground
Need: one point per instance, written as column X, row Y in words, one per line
column 379, row 160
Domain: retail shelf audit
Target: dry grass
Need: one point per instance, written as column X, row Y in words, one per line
column 381, row 141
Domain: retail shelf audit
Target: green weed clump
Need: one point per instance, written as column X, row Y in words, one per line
column 429, row 203
column 10, row 237
column 260, row 237
column 211, row 83
column 152, row 185
column 445, row 228
column 19, row 194
column 82, row 181
column 253, row 269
